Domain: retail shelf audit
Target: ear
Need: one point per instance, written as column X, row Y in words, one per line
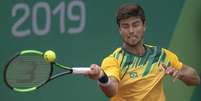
column 145, row 28
column 120, row 31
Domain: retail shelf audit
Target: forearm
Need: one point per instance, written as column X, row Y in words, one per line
column 109, row 85
column 189, row 76
column 111, row 88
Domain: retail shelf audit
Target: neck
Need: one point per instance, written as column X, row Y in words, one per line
column 138, row 50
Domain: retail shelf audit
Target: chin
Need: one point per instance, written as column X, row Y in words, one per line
column 133, row 43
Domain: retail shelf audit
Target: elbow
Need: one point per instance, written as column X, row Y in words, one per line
column 195, row 82
column 111, row 94
column 192, row 84
column 110, row 91
column 198, row 81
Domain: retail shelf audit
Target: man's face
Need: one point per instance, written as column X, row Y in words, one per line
column 132, row 31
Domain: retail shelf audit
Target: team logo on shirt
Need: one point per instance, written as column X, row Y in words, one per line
column 133, row 75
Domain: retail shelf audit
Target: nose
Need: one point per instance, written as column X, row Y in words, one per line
column 131, row 29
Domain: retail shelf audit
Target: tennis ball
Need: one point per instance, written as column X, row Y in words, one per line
column 49, row 56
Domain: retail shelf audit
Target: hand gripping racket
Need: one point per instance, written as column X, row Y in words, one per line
column 28, row 70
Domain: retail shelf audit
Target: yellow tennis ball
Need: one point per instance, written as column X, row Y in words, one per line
column 50, row 56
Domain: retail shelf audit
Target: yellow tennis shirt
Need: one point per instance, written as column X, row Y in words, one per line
column 140, row 77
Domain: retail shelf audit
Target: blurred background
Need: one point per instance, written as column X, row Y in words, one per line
column 83, row 32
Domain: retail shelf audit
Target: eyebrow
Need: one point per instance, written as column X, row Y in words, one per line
column 124, row 24
column 137, row 21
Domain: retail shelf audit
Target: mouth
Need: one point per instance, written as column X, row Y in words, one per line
column 132, row 37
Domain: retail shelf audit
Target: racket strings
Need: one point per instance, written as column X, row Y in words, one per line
column 27, row 71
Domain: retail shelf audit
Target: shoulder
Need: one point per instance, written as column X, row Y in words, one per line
column 113, row 57
column 115, row 53
column 160, row 50
column 168, row 52
column 152, row 49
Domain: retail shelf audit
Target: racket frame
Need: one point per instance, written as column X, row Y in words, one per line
column 31, row 88
column 69, row 70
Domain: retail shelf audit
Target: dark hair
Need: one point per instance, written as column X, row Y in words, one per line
column 130, row 10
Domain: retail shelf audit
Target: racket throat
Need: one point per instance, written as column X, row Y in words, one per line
column 61, row 74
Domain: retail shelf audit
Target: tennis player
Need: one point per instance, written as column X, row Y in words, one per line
column 135, row 71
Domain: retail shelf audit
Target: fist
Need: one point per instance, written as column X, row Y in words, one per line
column 95, row 72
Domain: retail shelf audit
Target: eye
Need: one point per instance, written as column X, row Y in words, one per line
column 136, row 24
column 124, row 26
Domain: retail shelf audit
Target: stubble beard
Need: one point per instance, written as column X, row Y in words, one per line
column 138, row 43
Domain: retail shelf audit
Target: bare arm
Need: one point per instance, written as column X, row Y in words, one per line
column 109, row 88
column 187, row 74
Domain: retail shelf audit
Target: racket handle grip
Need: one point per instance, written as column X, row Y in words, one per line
column 81, row 70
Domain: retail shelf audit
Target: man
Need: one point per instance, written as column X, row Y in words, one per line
column 135, row 71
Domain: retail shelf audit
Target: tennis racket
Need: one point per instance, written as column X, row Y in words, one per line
column 28, row 70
